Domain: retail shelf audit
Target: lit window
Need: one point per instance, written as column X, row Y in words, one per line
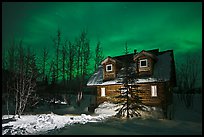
column 109, row 67
column 103, row 92
column 143, row 63
column 154, row 91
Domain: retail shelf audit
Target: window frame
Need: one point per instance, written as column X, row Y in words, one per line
column 141, row 63
column 108, row 66
column 154, row 91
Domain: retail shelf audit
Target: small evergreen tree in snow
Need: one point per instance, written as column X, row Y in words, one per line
column 131, row 102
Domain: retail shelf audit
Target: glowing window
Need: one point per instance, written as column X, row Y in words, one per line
column 108, row 67
column 103, row 92
column 154, row 91
column 143, row 63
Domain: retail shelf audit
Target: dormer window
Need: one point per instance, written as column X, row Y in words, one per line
column 108, row 67
column 143, row 63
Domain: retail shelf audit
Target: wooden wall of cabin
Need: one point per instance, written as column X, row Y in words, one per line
column 111, row 74
column 164, row 94
column 144, row 91
column 111, row 91
column 145, row 70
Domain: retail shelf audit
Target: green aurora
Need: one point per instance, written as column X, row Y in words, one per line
column 144, row 25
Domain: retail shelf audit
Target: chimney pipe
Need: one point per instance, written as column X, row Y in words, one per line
column 135, row 51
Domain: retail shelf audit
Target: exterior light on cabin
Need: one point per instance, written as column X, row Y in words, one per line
column 108, row 67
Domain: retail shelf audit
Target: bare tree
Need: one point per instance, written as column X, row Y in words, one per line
column 86, row 58
column 187, row 77
column 57, row 43
column 82, row 59
column 71, row 59
column 98, row 55
column 8, row 96
column 78, row 54
column 45, row 58
column 82, row 55
column 23, row 82
column 11, row 56
column 8, row 66
column 51, row 64
column 64, row 55
column 53, row 72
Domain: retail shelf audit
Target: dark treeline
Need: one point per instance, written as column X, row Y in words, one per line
column 187, row 78
column 28, row 77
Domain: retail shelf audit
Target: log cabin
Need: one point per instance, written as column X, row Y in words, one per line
column 153, row 73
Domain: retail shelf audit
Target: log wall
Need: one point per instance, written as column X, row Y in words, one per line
column 111, row 74
column 144, row 91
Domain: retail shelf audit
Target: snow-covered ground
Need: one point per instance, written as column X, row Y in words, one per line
column 35, row 124
column 186, row 121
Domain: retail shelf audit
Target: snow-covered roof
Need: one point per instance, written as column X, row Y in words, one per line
column 161, row 72
column 108, row 58
column 145, row 53
column 97, row 77
column 162, row 68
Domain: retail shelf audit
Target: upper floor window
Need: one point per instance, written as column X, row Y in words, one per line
column 109, row 67
column 143, row 63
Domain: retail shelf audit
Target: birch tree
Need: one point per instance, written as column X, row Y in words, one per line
column 23, row 82
column 83, row 56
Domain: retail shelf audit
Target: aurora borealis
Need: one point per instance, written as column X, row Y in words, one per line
column 144, row 25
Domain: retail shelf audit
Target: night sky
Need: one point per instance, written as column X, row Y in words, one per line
column 144, row 25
